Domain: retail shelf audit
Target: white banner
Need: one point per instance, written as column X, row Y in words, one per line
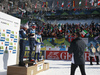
column 9, row 34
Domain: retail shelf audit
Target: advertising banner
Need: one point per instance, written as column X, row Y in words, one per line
column 64, row 55
column 58, row 55
column 9, row 34
column 26, row 55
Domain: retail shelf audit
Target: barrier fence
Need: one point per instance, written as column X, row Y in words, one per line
column 52, row 49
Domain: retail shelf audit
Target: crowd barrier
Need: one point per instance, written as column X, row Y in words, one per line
column 52, row 49
column 64, row 55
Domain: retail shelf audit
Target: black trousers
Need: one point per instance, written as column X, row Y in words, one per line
column 74, row 66
column 91, row 60
column 37, row 56
column 31, row 43
column 22, row 50
column 97, row 60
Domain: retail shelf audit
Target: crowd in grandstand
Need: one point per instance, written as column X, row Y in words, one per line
column 64, row 30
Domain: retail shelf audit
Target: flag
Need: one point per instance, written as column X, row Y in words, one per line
column 83, row 33
column 59, row 26
column 46, row 4
column 43, row 4
column 98, row 2
column 71, row 38
column 68, row 4
column 57, row 4
column 60, row 29
column 85, row 2
column 36, row 5
column 51, row 28
column 95, row 3
column 80, row 3
column 62, row 4
column 73, row 3
column 92, row 2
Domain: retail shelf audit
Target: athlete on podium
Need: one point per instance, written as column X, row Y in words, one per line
column 23, row 38
column 31, row 35
column 38, row 43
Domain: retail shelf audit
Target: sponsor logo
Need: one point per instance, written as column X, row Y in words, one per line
column 12, row 32
column 8, row 31
column 14, row 48
column 60, row 55
column 1, row 51
column 53, row 55
column 11, row 43
column 14, row 51
column 10, row 47
column 26, row 55
column 2, row 39
column 16, row 36
column 3, row 34
column 7, row 39
column 6, row 43
column 11, row 36
column 15, row 40
column 39, row 67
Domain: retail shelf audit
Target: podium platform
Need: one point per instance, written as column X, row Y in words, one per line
column 30, row 70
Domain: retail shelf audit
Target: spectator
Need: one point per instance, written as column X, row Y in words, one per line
column 91, row 52
column 97, row 52
column 49, row 30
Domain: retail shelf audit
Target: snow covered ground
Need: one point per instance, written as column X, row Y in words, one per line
column 62, row 67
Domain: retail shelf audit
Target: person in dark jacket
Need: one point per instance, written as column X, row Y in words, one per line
column 77, row 49
column 97, row 53
column 23, row 38
column 31, row 34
